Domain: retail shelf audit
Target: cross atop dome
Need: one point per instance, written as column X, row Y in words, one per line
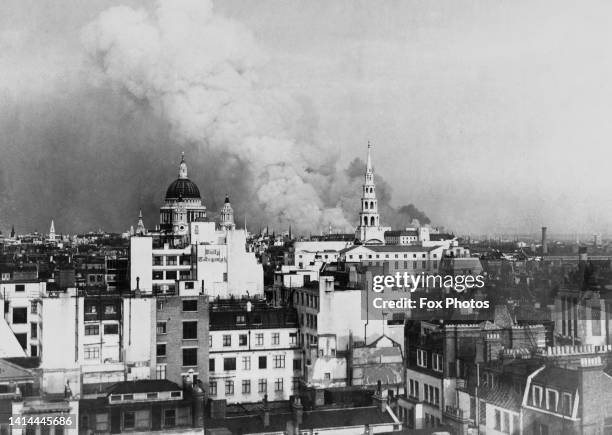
column 183, row 167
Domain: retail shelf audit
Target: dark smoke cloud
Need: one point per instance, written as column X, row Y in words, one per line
column 92, row 153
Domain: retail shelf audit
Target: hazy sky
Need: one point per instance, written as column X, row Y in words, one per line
column 490, row 116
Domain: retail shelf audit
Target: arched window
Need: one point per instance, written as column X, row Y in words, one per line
column 366, row 205
column 372, row 221
column 365, row 220
column 371, row 204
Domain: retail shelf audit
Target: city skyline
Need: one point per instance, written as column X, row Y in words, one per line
column 503, row 144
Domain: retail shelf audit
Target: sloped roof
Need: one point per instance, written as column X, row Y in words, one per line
column 143, row 386
column 558, row 377
column 9, row 346
column 502, row 395
column 12, row 372
column 316, row 419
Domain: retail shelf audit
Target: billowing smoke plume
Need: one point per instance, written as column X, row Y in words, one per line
column 89, row 153
column 198, row 71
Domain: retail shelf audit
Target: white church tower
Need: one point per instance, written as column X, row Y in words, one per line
column 52, row 232
column 369, row 230
column 227, row 215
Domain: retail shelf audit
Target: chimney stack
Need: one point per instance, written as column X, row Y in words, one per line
column 266, row 411
column 544, row 242
column 298, row 411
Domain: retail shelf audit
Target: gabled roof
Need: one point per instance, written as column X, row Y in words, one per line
column 12, row 372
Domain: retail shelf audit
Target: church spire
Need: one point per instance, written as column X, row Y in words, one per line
column 52, row 231
column 183, row 167
column 369, row 161
column 140, row 228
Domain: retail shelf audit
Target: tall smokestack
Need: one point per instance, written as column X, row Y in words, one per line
column 544, row 242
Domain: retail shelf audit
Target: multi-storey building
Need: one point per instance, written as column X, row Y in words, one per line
column 20, row 298
column 189, row 247
column 253, row 352
column 181, row 348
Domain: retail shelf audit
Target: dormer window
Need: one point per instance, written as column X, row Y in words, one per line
column 536, row 396
column 566, row 404
column 552, row 399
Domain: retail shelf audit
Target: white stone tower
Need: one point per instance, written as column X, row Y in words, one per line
column 52, row 231
column 369, row 229
column 227, row 215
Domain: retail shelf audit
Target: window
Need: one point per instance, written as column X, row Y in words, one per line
column 263, row 385
column 567, row 404
column 246, row 386
column 292, row 338
column 541, row 429
column 20, row 287
column 536, row 396
column 259, row 338
column 295, row 384
column 92, row 352
column 279, row 361
column 212, row 388
column 275, row 338
column 110, row 309
column 437, row 362
column 421, row 358
column 229, row 364
column 160, row 371
column 210, row 341
column 497, row 420
column 263, row 362
column 161, row 349
column 111, row 329
column 506, row 422
column 190, row 305
column 246, row 363
column 157, row 275
column 240, row 319
column 157, row 260
column 242, row 340
column 92, row 329
column 171, row 274
column 20, row 315
column 327, row 376
column 161, row 327
column 414, row 388
column 190, row 356
column 169, row 418
column 297, row 364
column 190, row 330
column 211, row 364
column 227, row 340
column 129, row 420
column 33, row 350
column 34, row 307
column 278, row 385
column 229, row 387
column 152, row 395
column 552, row 397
